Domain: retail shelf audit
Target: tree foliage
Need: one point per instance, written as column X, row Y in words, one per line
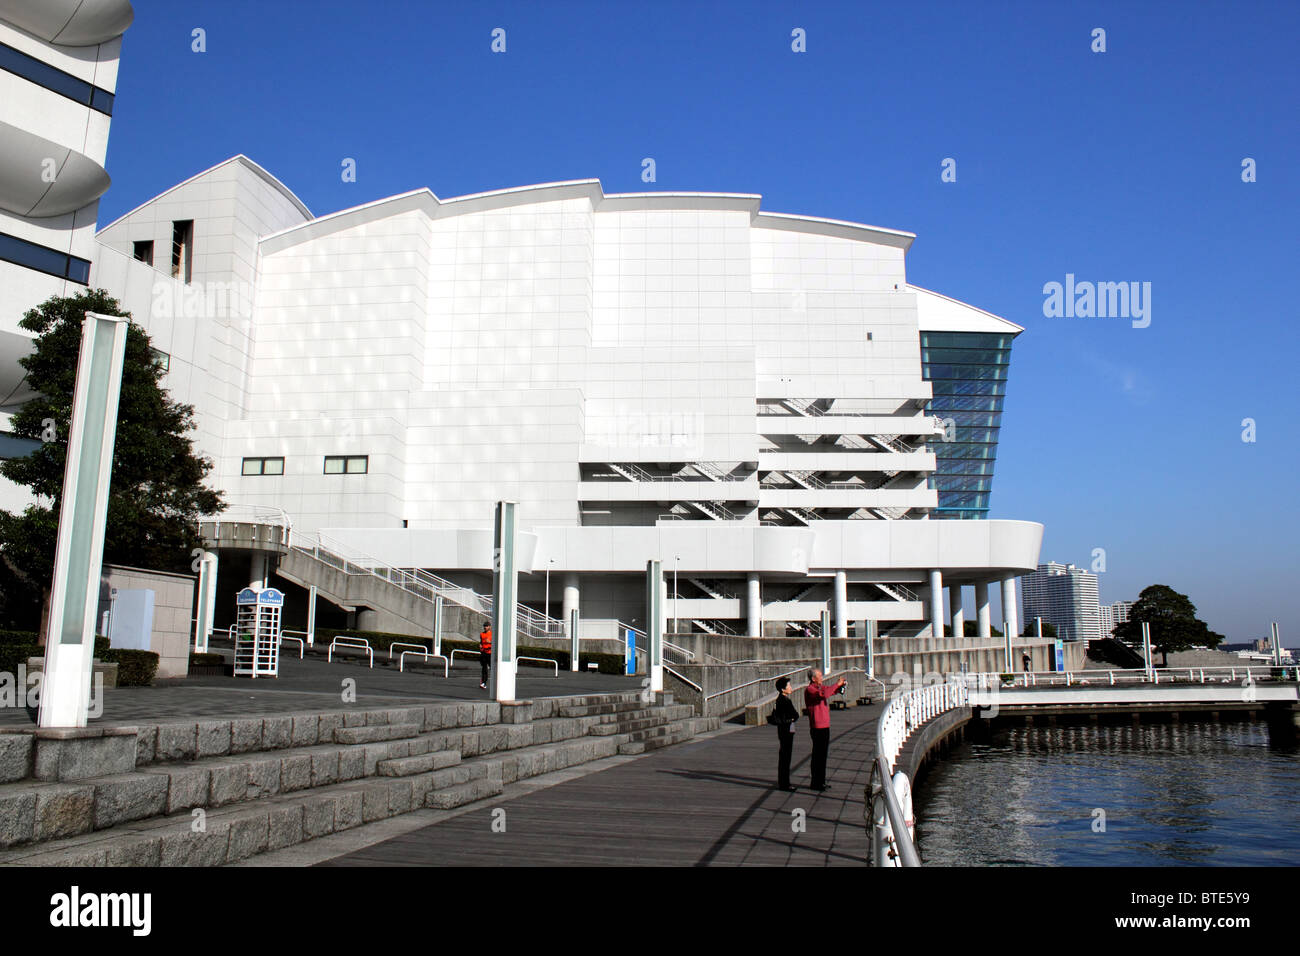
column 157, row 490
column 1173, row 620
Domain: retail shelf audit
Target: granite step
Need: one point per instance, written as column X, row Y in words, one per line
column 591, row 710
column 423, row 763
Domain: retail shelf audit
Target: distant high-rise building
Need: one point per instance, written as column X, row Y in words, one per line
column 1065, row 597
column 1113, row 614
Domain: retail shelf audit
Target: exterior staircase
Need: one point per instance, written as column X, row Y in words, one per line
column 211, row 792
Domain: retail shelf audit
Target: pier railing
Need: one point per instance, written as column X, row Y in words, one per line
column 889, row 821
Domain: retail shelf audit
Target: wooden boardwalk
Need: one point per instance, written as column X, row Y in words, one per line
column 711, row 802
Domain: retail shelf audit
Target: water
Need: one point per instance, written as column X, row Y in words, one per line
column 1199, row 794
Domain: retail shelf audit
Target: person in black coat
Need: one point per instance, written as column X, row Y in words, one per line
column 784, row 717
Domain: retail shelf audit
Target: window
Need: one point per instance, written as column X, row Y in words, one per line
column 183, row 249
column 347, row 464
column 53, row 79
column 263, row 466
column 143, row 252
column 44, row 259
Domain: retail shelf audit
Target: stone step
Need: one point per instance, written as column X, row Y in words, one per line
column 590, row 710
column 463, row 793
column 627, row 726
column 423, row 763
column 371, row 735
column 660, row 730
column 633, row 747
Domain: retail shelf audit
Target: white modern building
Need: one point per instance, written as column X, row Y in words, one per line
column 680, row 376
column 58, row 71
column 1065, row 597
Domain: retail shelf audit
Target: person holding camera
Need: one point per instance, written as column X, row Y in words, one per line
column 815, row 699
column 783, row 716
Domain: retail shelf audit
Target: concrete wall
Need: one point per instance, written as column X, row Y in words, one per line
column 173, row 612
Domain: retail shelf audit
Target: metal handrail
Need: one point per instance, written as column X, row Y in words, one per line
column 463, row 650
column 401, row 660
column 418, row 647
column 302, row 646
column 756, row 680
column 542, row 660
column 360, row 643
column 684, row 680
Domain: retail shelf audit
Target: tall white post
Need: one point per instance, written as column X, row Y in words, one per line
column 207, row 607
column 956, row 612
column 437, row 624
column 1276, row 641
column 573, row 640
column 1010, row 610
column 1146, row 648
column 654, row 624
column 871, row 647
column 1008, row 667
column 841, row 604
column 505, row 597
column 826, row 642
column 936, row 602
column 983, row 617
column 83, row 514
column 311, row 616
column 754, row 605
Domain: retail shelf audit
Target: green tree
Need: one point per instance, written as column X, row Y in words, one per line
column 1049, row 630
column 157, row 491
column 1173, row 620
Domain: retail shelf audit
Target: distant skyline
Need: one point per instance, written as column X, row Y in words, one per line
column 1116, row 166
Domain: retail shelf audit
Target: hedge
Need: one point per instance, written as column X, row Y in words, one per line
column 380, row 641
column 199, row 659
column 134, row 668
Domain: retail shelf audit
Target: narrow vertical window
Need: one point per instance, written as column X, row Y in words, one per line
column 183, row 249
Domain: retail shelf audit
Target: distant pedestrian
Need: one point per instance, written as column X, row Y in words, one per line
column 1025, row 661
column 815, row 697
column 485, row 653
column 784, row 716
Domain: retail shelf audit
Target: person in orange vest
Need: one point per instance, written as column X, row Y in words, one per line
column 485, row 653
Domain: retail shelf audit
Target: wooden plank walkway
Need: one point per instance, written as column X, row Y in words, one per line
column 710, row 802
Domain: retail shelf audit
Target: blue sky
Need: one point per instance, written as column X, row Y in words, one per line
column 1115, row 166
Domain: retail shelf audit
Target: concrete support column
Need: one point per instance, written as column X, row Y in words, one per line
column 841, row 604
column 983, row 619
column 257, row 568
column 570, row 598
column 655, row 620
column 936, row 602
column 754, row 606
column 1010, row 612
column 956, row 611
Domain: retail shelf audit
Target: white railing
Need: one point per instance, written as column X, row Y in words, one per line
column 427, row 655
column 905, row 713
column 302, row 646
column 360, row 643
column 1115, row 677
column 542, row 660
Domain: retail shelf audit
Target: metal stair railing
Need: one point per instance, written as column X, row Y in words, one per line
column 898, row 592
column 423, row 584
column 714, row 510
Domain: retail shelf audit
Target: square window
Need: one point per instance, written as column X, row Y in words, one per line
column 333, row 465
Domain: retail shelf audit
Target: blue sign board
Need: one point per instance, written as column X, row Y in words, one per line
column 631, row 651
column 1060, row 655
column 270, row 597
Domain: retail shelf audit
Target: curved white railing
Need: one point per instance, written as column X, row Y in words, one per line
column 907, row 712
